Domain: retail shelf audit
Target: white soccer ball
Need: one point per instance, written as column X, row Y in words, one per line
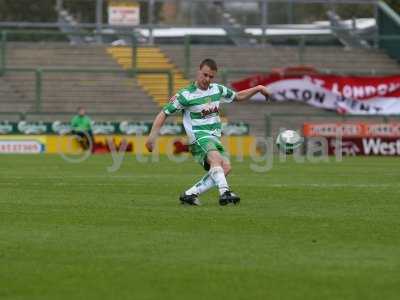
column 289, row 140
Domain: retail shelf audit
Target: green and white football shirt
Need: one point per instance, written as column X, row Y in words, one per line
column 200, row 109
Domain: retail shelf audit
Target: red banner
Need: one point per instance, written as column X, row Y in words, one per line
column 366, row 146
column 351, row 129
column 345, row 94
column 358, row 88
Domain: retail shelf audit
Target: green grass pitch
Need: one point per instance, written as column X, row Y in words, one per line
column 302, row 231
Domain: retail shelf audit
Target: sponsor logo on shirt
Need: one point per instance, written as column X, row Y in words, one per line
column 209, row 111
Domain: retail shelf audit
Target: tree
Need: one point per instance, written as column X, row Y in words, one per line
column 27, row 11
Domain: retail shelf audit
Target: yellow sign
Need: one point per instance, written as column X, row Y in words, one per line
column 68, row 144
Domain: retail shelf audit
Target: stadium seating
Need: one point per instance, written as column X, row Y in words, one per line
column 64, row 91
column 334, row 59
column 156, row 85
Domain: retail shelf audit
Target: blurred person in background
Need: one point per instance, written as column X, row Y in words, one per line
column 81, row 126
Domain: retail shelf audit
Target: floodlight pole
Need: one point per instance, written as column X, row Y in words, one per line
column 192, row 13
column 264, row 21
column 59, row 5
column 150, row 12
column 290, row 12
column 3, row 48
column 99, row 20
column 376, row 35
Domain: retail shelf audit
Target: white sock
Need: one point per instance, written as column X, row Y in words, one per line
column 217, row 174
column 202, row 186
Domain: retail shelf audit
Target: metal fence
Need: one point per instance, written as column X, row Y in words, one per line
column 210, row 12
column 234, row 16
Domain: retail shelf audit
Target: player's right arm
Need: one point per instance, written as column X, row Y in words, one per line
column 175, row 104
column 155, row 130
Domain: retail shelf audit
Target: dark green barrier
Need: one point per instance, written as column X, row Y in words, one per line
column 109, row 127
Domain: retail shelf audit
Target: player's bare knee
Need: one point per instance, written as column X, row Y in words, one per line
column 227, row 168
column 214, row 158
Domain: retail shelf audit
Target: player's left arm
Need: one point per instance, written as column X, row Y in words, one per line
column 250, row 92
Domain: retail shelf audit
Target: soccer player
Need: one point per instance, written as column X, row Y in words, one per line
column 199, row 102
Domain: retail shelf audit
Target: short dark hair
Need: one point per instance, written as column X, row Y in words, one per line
column 209, row 63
